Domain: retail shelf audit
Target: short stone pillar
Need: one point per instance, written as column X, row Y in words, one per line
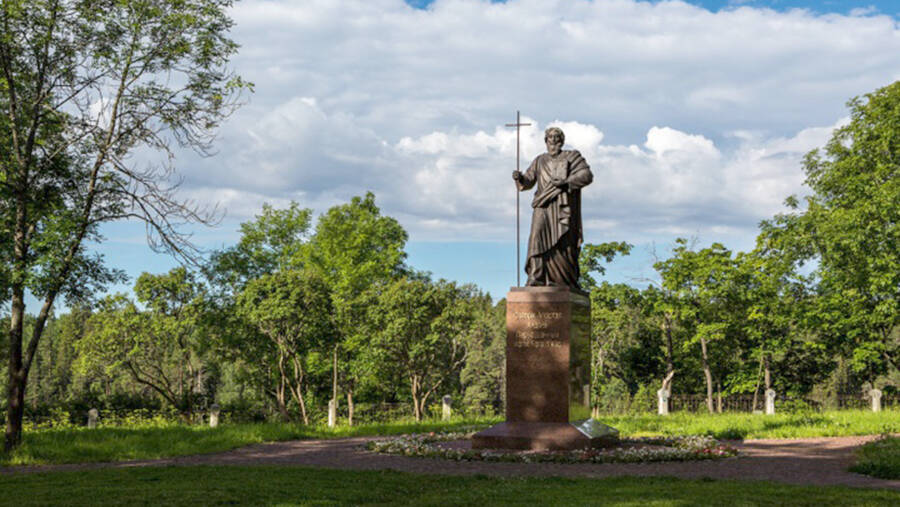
column 214, row 415
column 93, row 416
column 662, row 399
column 332, row 413
column 770, row 402
column 586, row 389
column 876, row 399
column 446, row 407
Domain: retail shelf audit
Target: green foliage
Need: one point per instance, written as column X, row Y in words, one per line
column 83, row 84
column 293, row 310
column 161, row 347
column 419, row 334
column 482, row 375
column 591, row 255
column 614, row 397
column 880, row 458
column 644, row 400
column 274, row 240
column 851, row 227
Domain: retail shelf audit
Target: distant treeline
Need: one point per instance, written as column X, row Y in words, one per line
column 295, row 315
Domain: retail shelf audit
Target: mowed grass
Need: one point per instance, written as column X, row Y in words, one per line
column 307, row 486
column 880, row 458
column 82, row 445
column 738, row 426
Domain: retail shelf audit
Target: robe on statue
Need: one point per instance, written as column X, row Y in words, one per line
column 555, row 240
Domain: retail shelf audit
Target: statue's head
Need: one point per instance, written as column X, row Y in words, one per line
column 554, row 138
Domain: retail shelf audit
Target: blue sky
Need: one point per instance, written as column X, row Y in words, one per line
column 694, row 118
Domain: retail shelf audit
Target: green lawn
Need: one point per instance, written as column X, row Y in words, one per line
column 82, row 445
column 880, row 458
column 76, row 445
column 306, row 486
column 738, row 426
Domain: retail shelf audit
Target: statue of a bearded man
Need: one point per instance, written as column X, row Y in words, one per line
column 555, row 240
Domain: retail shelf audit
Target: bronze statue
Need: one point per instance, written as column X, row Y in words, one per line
column 555, row 240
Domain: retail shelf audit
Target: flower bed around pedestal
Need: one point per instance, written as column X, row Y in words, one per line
column 631, row 450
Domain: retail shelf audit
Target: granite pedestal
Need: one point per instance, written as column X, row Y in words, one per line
column 547, row 366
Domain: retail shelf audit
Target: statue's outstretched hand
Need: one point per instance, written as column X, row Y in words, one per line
column 517, row 175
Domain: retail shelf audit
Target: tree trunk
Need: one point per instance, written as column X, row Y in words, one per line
column 768, row 374
column 280, row 390
column 334, row 376
column 758, row 377
column 15, row 411
column 350, row 407
column 708, row 374
column 15, row 389
column 718, row 397
column 670, row 356
column 415, row 397
column 297, row 389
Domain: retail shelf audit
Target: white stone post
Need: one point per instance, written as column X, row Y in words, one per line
column 446, row 407
column 876, row 399
column 662, row 398
column 93, row 415
column 770, row 402
column 332, row 413
column 214, row 415
column 586, row 393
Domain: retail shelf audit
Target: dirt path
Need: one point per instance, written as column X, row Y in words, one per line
column 810, row 461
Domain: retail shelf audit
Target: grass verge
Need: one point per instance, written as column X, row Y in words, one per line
column 82, row 445
column 737, row 426
column 307, row 486
column 880, row 458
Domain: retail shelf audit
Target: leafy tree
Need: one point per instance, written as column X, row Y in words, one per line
column 851, row 227
column 293, row 310
column 83, row 84
column 482, row 377
column 703, row 284
column 591, row 254
column 354, row 248
column 419, row 330
column 626, row 339
column 160, row 347
column 273, row 241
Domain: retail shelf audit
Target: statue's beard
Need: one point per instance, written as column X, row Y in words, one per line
column 554, row 149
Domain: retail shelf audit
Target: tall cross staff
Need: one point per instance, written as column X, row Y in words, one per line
column 517, row 124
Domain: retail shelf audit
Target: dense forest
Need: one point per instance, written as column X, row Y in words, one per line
column 298, row 313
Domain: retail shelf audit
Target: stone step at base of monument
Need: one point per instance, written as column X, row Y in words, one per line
column 539, row 436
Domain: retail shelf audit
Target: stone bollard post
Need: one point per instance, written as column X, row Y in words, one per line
column 662, row 398
column 876, row 399
column 93, row 415
column 770, row 402
column 332, row 413
column 586, row 393
column 214, row 415
column 446, row 407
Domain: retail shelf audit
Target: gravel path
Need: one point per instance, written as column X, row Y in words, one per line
column 809, row 461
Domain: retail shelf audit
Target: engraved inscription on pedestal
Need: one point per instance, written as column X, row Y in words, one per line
column 547, row 368
column 547, row 353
